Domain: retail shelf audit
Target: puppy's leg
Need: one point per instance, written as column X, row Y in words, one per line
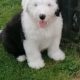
column 33, row 54
column 21, row 58
column 54, row 51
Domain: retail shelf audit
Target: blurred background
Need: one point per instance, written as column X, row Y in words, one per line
column 71, row 15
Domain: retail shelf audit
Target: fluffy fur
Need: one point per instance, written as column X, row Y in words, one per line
column 25, row 37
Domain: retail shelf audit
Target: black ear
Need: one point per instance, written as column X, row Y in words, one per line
column 57, row 13
column 59, row 10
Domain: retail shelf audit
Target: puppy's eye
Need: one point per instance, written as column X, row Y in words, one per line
column 35, row 5
column 49, row 4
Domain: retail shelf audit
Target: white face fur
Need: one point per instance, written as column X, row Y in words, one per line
column 36, row 8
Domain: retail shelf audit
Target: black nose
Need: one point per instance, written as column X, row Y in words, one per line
column 42, row 16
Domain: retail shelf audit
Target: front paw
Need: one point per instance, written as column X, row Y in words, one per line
column 36, row 64
column 57, row 56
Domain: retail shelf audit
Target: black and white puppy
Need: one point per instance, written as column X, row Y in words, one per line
column 37, row 27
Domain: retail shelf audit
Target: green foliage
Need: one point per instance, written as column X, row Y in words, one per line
column 7, row 9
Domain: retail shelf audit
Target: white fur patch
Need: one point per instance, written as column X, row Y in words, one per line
column 57, row 56
column 0, row 31
column 36, row 64
column 21, row 58
column 38, row 38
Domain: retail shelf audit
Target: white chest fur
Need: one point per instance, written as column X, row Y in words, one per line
column 42, row 36
column 38, row 39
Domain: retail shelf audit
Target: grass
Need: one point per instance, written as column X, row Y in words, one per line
column 10, row 69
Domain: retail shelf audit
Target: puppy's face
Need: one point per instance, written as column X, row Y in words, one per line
column 40, row 10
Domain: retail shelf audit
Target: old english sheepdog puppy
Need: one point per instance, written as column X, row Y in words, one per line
column 37, row 27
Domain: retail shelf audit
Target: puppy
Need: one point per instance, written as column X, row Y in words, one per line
column 36, row 28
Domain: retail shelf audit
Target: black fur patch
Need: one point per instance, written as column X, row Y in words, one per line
column 13, row 36
column 57, row 13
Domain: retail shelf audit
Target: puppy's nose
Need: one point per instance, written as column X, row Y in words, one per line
column 42, row 16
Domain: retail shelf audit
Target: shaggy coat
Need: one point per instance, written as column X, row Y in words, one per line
column 25, row 40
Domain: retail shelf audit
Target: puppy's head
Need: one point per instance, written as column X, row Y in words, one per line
column 42, row 11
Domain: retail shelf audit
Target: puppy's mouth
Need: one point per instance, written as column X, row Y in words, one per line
column 42, row 23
